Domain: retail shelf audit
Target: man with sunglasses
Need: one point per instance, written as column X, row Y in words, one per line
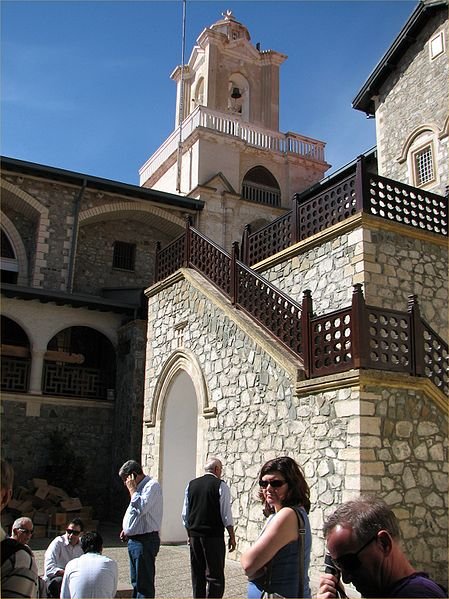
column 60, row 551
column 18, row 566
column 362, row 539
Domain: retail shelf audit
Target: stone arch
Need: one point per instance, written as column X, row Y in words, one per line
column 180, row 399
column 239, row 105
column 36, row 211
column 113, row 210
column 261, row 186
column 181, row 359
column 414, row 135
column 19, row 249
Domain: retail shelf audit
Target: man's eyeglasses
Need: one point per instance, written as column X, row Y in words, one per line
column 70, row 531
column 350, row 561
column 26, row 531
column 273, row 483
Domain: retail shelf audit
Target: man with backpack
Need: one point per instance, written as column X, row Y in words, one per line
column 19, row 575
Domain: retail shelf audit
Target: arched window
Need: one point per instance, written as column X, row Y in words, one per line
column 80, row 362
column 199, row 93
column 420, row 152
column 16, row 359
column 238, row 95
column 260, row 186
column 8, row 260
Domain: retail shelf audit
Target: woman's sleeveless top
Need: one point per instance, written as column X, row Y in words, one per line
column 285, row 567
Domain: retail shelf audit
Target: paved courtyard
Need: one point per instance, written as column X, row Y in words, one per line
column 172, row 568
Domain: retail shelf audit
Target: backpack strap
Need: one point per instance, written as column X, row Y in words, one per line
column 9, row 547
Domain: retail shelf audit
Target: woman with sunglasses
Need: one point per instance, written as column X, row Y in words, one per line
column 272, row 564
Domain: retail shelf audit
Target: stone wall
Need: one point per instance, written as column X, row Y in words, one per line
column 390, row 264
column 25, row 441
column 128, row 407
column 95, row 252
column 398, row 116
column 329, row 270
column 382, row 440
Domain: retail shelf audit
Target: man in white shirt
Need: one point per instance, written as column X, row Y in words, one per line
column 141, row 525
column 92, row 574
column 60, row 551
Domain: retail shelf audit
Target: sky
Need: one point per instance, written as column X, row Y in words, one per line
column 85, row 85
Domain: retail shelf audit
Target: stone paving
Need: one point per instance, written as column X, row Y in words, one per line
column 172, row 568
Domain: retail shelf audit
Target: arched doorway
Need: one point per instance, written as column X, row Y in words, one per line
column 178, row 452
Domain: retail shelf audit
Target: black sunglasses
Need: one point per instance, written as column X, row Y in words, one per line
column 70, row 531
column 26, row 531
column 273, row 483
column 350, row 561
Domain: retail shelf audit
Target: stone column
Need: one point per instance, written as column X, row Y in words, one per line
column 37, row 365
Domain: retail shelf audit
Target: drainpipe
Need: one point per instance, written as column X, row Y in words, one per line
column 76, row 214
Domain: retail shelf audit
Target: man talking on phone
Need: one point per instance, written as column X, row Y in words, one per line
column 141, row 525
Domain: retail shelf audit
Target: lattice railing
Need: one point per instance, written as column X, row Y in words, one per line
column 389, row 339
column 75, row 381
column 269, row 240
column 15, row 374
column 334, row 202
column 170, row 259
column 407, row 205
column 275, row 311
column 208, row 258
column 358, row 336
column 331, row 348
column 436, row 361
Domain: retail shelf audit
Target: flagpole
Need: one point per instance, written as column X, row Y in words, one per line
column 181, row 98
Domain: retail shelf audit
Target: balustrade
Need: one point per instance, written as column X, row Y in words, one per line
column 287, row 143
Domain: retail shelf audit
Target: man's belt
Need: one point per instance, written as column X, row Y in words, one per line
column 144, row 535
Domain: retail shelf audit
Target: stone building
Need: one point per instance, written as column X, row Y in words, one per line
column 322, row 336
column 77, row 252
column 412, row 136
column 227, row 118
column 327, row 339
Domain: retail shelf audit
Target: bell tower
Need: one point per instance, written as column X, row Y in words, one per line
column 226, row 73
column 226, row 148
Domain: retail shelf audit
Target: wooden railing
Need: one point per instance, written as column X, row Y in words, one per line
column 334, row 202
column 358, row 336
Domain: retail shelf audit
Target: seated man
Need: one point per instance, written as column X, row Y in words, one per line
column 362, row 538
column 60, row 551
column 92, row 574
column 18, row 566
column 22, row 531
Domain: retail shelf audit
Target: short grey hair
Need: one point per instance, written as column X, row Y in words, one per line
column 366, row 515
column 211, row 464
column 21, row 522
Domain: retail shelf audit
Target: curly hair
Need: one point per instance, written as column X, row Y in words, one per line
column 298, row 489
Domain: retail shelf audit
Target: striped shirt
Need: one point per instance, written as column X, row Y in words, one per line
column 144, row 512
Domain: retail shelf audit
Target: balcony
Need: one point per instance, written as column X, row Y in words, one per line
column 257, row 137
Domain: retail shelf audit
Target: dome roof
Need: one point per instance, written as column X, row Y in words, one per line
column 231, row 27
